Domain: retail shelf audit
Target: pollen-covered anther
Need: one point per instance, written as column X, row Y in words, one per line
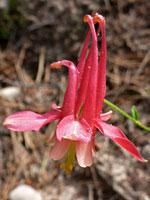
column 69, row 159
column 56, row 65
column 98, row 18
column 87, row 18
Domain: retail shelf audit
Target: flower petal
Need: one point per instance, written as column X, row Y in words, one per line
column 68, row 106
column 81, row 64
column 84, row 153
column 84, row 82
column 117, row 135
column 55, row 107
column 101, row 83
column 28, row 120
column 59, row 149
column 77, row 130
column 90, row 101
column 106, row 116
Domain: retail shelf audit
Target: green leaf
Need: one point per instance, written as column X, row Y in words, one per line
column 134, row 113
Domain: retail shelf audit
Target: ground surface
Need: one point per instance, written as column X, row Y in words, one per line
column 54, row 30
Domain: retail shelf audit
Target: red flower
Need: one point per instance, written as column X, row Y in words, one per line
column 80, row 114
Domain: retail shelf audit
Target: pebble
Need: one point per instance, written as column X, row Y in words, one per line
column 25, row 192
column 3, row 4
column 10, row 93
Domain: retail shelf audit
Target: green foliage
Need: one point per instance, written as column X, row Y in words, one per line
column 134, row 113
column 13, row 6
column 10, row 20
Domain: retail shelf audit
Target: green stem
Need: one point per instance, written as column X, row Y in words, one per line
column 137, row 122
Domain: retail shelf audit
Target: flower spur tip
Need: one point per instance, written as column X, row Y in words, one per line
column 86, row 18
column 56, row 65
column 98, row 18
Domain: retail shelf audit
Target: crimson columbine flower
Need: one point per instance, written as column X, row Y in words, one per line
column 80, row 114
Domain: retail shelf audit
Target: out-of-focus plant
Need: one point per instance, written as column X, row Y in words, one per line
column 10, row 20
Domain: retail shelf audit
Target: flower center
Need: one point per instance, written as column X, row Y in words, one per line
column 69, row 159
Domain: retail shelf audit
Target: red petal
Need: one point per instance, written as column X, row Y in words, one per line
column 68, row 106
column 90, row 100
column 59, row 149
column 81, row 64
column 28, row 120
column 117, row 135
column 106, row 116
column 77, row 130
column 84, row 153
column 55, row 107
column 101, row 83
column 84, row 83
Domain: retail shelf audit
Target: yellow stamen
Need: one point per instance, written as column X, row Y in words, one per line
column 145, row 160
column 69, row 159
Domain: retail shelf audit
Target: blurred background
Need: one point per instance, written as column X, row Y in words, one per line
column 34, row 34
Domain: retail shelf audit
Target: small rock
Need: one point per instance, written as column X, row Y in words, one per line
column 10, row 93
column 24, row 192
column 3, row 4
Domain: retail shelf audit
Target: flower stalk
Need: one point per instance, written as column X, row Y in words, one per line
column 137, row 122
